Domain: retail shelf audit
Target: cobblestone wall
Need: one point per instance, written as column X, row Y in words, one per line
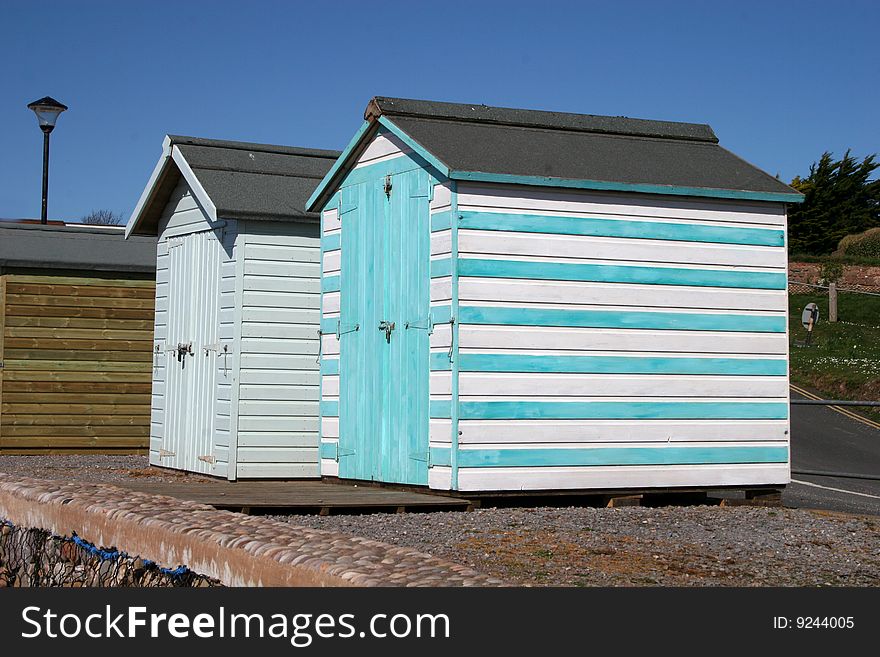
column 36, row 557
column 235, row 549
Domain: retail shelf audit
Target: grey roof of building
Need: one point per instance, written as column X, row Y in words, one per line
column 534, row 145
column 242, row 180
column 71, row 246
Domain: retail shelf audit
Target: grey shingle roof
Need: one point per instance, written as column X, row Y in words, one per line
column 90, row 248
column 599, row 152
column 242, row 180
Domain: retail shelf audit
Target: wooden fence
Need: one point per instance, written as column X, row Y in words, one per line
column 76, row 357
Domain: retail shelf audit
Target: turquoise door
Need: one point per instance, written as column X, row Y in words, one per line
column 385, row 280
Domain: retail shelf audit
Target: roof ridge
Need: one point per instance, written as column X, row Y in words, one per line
column 253, row 146
column 564, row 121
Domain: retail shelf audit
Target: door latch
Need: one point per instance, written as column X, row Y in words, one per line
column 387, row 327
column 184, row 348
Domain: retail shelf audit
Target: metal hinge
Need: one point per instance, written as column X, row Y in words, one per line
column 426, row 324
column 164, row 454
column 342, row 329
column 208, row 459
column 341, row 452
column 422, row 456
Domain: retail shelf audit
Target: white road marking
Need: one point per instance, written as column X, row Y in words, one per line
column 837, row 490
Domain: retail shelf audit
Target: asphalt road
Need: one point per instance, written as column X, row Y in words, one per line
column 828, row 441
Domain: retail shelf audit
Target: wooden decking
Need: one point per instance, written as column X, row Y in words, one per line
column 300, row 497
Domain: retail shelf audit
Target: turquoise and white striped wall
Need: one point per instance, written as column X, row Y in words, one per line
column 600, row 339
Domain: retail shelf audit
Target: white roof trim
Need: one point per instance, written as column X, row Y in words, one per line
column 135, row 217
column 194, row 184
column 170, row 153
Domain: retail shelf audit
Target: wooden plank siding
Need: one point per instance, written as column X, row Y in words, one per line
column 77, row 360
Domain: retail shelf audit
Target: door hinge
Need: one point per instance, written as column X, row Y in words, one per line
column 342, row 329
column 422, row 456
column 164, row 454
column 426, row 324
column 341, row 452
column 208, row 459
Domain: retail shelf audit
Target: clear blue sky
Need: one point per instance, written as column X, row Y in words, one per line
column 780, row 82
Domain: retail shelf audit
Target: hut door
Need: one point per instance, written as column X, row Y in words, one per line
column 191, row 367
column 385, row 371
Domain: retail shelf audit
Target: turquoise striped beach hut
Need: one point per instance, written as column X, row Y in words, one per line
column 526, row 300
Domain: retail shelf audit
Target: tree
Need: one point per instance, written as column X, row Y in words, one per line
column 839, row 199
column 103, row 218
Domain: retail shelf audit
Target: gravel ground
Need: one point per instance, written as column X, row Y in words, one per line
column 635, row 546
column 627, row 546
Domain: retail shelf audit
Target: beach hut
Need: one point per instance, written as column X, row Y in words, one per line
column 76, row 323
column 235, row 374
column 527, row 300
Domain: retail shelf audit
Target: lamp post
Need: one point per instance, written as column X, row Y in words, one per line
column 47, row 110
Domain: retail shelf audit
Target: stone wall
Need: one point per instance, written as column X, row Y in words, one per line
column 36, row 557
column 860, row 277
column 235, row 549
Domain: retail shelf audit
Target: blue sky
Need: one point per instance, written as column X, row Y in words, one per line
column 780, row 82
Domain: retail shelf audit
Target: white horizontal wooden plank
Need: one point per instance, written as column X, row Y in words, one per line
column 441, row 243
column 624, row 340
column 278, row 471
column 280, row 377
column 329, row 345
column 667, row 476
column 305, row 331
column 508, row 385
column 285, row 284
column 331, row 303
column 254, row 299
column 332, row 262
column 330, row 385
column 277, row 407
column 510, row 198
column 295, row 242
column 272, row 346
column 308, row 316
column 278, row 362
column 330, row 427
column 441, row 289
column 329, row 468
column 442, row 197
column 281, row 253
column 282, row 268
column 277, row 455
column 441, row 336
column 577, row 293
column 478, row 432
column 274, row 423
column 277, row 439
column 382, row 147
column 440, row 431
column 440, row 478
column 279, row 392
column 477, row 243
column 330, row 220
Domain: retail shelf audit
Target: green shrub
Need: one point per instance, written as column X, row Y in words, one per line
column 865, row 245
column 830, row 271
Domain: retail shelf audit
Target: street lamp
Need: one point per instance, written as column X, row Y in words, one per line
column 47, row 110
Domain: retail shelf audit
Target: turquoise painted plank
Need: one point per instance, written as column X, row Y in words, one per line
column 341, row 161
column 563, row 271
column 441, row 409
column 441, row 314
column 536, row 410
column 623, row 365
column 331, row 242
column 330, row 284
column 591, row 226
column 441, row 456
column 328, row 450
column 329, row 408
column 440, row 362
column 441, row 221
column 329, row 324
column 423, row 152
column 620, row 319
column 604, row 456
column 641, row 188
column 441, row 268
column 330, row 366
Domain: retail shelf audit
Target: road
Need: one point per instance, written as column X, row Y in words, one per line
column 826, row 440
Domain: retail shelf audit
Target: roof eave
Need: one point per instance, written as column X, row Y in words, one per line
column 143, row 204
column 640, row 188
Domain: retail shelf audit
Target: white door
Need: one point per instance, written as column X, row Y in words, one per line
column 191, row 350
